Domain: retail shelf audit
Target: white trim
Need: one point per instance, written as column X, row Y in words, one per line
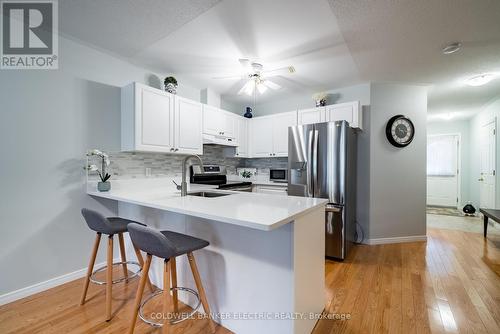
column 395, row 240
column 9, row 297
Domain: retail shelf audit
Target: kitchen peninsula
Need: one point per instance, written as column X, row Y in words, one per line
column 264, row 269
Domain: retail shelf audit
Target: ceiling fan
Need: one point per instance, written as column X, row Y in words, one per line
column 257, row 78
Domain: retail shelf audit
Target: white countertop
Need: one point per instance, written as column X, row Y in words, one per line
column 253, row 210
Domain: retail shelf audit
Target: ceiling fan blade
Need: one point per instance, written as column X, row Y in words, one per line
column 247, row 88
column 245, row 63
column 279, row 71
column 228, row 77
column 271, row 84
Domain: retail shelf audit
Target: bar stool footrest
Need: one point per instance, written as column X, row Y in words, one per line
column 172, row 321
column 119, row 280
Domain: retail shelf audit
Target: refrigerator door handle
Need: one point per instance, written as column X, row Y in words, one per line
column 309, row 165
column 315, row 162
column 331, row 208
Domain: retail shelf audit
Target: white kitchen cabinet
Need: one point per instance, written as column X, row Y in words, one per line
column 242, row 137
column 261, row 137
column 155, row 121
column 311, row 116
column 350, row 111
column 188, row 119
column 147, row 119
column 268, row 135
column 281, row 122
column 218, row 122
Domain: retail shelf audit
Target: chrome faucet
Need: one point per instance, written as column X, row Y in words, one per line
column 183, row 186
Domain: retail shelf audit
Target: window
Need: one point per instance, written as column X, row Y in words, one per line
column 442, row 155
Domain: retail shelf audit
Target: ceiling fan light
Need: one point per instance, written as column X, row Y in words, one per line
column 261, row 88
column 249, row 87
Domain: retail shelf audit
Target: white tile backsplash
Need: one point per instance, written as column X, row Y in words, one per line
column 127, row 165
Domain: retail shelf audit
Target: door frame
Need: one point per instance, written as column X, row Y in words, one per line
column 459, row 163
column 492, row 120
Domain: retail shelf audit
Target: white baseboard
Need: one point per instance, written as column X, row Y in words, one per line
column 42, row 286
column 395, row 240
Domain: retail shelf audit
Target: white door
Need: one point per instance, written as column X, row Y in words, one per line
column 213, row 120
column 281, row 122
column 155, row 120
column 487, row 166
column 311, row 116
column 261, row 135
column 242, row 137
column 349, row 111
column 229, row 124
column 188, row 126
column 443, row 170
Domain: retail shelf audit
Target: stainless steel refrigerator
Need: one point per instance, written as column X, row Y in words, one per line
column 322, row 163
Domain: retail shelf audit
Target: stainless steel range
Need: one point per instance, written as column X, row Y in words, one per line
column 216, row 175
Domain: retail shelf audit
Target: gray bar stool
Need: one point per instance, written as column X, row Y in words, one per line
column 110, row 226
column 167, row 245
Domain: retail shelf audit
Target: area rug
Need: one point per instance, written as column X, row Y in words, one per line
column 437, row 210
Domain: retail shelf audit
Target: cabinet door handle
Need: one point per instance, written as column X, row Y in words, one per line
column 171, row 149
column 176, row 150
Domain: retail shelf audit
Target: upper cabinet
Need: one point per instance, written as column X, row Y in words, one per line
column 156, row 121
column 218, row 122
column 261, row 137
column 281, row 122
column 242, row 137
column 269, row 134
column 311, row 116
column 350, row 112
column 188, row 118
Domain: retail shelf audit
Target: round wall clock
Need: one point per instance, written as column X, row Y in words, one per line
column 400, row 131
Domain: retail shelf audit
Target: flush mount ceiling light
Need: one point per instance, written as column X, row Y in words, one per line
column 452, row 48
column 480, row 80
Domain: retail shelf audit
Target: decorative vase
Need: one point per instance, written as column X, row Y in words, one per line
column 103, row 186
column 171, row 88
column 248, row 113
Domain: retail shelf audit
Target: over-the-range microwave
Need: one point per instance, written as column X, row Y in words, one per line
column 278, row 175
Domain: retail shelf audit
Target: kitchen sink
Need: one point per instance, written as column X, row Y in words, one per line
column 208, row 194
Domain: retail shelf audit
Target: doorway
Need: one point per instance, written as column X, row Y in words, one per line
column 443, row 170
column 487, row 183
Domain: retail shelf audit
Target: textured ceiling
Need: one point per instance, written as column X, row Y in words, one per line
column 126, row 27
column 401, row 41
column 331, row 43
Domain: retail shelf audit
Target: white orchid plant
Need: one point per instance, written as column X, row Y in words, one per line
column 103, row 175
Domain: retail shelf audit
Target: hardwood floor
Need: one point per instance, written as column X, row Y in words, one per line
column 449, row 284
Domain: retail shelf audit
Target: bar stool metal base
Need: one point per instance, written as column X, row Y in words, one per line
column 173, row 321
column 119, row 280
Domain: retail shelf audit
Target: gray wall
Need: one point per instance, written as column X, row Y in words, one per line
column 48, row 121
column 461, row 127
column 397, row 176
column 303, row 101
column 490, row 113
